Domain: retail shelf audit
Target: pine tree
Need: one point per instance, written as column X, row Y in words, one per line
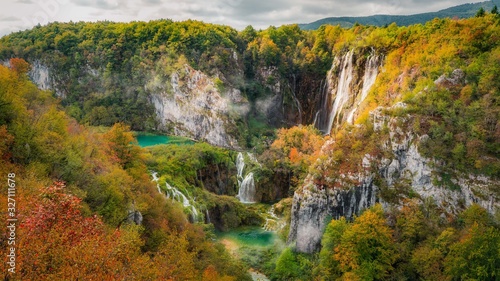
column 480, row 13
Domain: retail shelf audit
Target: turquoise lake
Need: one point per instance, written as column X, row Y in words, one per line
column 150, row 140
column 249, row 236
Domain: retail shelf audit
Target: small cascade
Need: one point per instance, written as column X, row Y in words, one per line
column 240, row 166
column 207, row 217
column 316, row 118
column 273, row 222
column 175, row 194
column 246, row 183
column 371, row 72
column 253, row 159
column 155, row 179
column 246, row 193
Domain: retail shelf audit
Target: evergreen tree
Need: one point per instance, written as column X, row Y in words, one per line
column 480, row 13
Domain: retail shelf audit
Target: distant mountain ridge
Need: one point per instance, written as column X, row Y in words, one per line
column 460, row 11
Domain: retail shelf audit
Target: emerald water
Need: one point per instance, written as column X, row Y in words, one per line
column 150, row 139
column 249, row 236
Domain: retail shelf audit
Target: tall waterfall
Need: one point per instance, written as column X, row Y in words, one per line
column 246, row 184
column 371, row 72
column 343, row 89
column 346, row 88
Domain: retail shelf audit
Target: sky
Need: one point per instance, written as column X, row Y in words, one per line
column 18, row 15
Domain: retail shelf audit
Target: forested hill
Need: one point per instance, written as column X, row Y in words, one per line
column 460, row 11
column 410, row 118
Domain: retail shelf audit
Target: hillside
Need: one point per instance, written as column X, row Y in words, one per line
column 369, row 153
column 460, row 11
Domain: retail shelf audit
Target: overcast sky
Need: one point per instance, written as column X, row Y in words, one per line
column 23, row 14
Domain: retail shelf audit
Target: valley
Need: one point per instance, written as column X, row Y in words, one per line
column 192, row 151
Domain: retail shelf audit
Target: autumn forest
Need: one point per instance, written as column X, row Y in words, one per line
column 360, row 153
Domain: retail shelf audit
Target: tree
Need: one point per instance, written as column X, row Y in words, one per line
column 494, row 11
column 20, row 66
column 121, row 144
column 476, row 256
column 329, row 267
column 58, row 243
column 287, row 266
column 480, row 13
column 367, row 248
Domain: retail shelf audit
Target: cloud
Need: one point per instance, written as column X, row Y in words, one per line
column 235, row 13
column 102, row 4
column 9, row 19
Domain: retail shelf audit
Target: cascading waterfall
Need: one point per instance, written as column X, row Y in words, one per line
column 345, row 89
column 176, row 195
column 371, row 72
column 246, row 191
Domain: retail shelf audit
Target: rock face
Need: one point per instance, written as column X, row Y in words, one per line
column 314, row 205
column 40, row 75
column 192, row 106
column 456, row 78
column 218, row 179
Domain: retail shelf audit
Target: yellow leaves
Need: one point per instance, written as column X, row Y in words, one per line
column 366, row 249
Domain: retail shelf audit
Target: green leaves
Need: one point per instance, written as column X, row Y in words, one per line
column 363, row 250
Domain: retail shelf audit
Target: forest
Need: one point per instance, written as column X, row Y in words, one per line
column 91, row 206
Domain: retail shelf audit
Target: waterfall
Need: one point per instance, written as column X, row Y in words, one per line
column 273, row 222
column 207, row 216
column 346, row 89
column 316, row 118
column 343, row 89
column 240, row 165
column 246, row 193
column 175, row 194
column 371, row 72
column 155, row 179
column 246, row 184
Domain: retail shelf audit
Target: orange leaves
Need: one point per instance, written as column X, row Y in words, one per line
column 301, row 144
column 294, row 155
column 121, row 144
column 20, row 66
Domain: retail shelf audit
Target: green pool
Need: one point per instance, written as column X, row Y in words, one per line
column 249, row 236
column 150, row 139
